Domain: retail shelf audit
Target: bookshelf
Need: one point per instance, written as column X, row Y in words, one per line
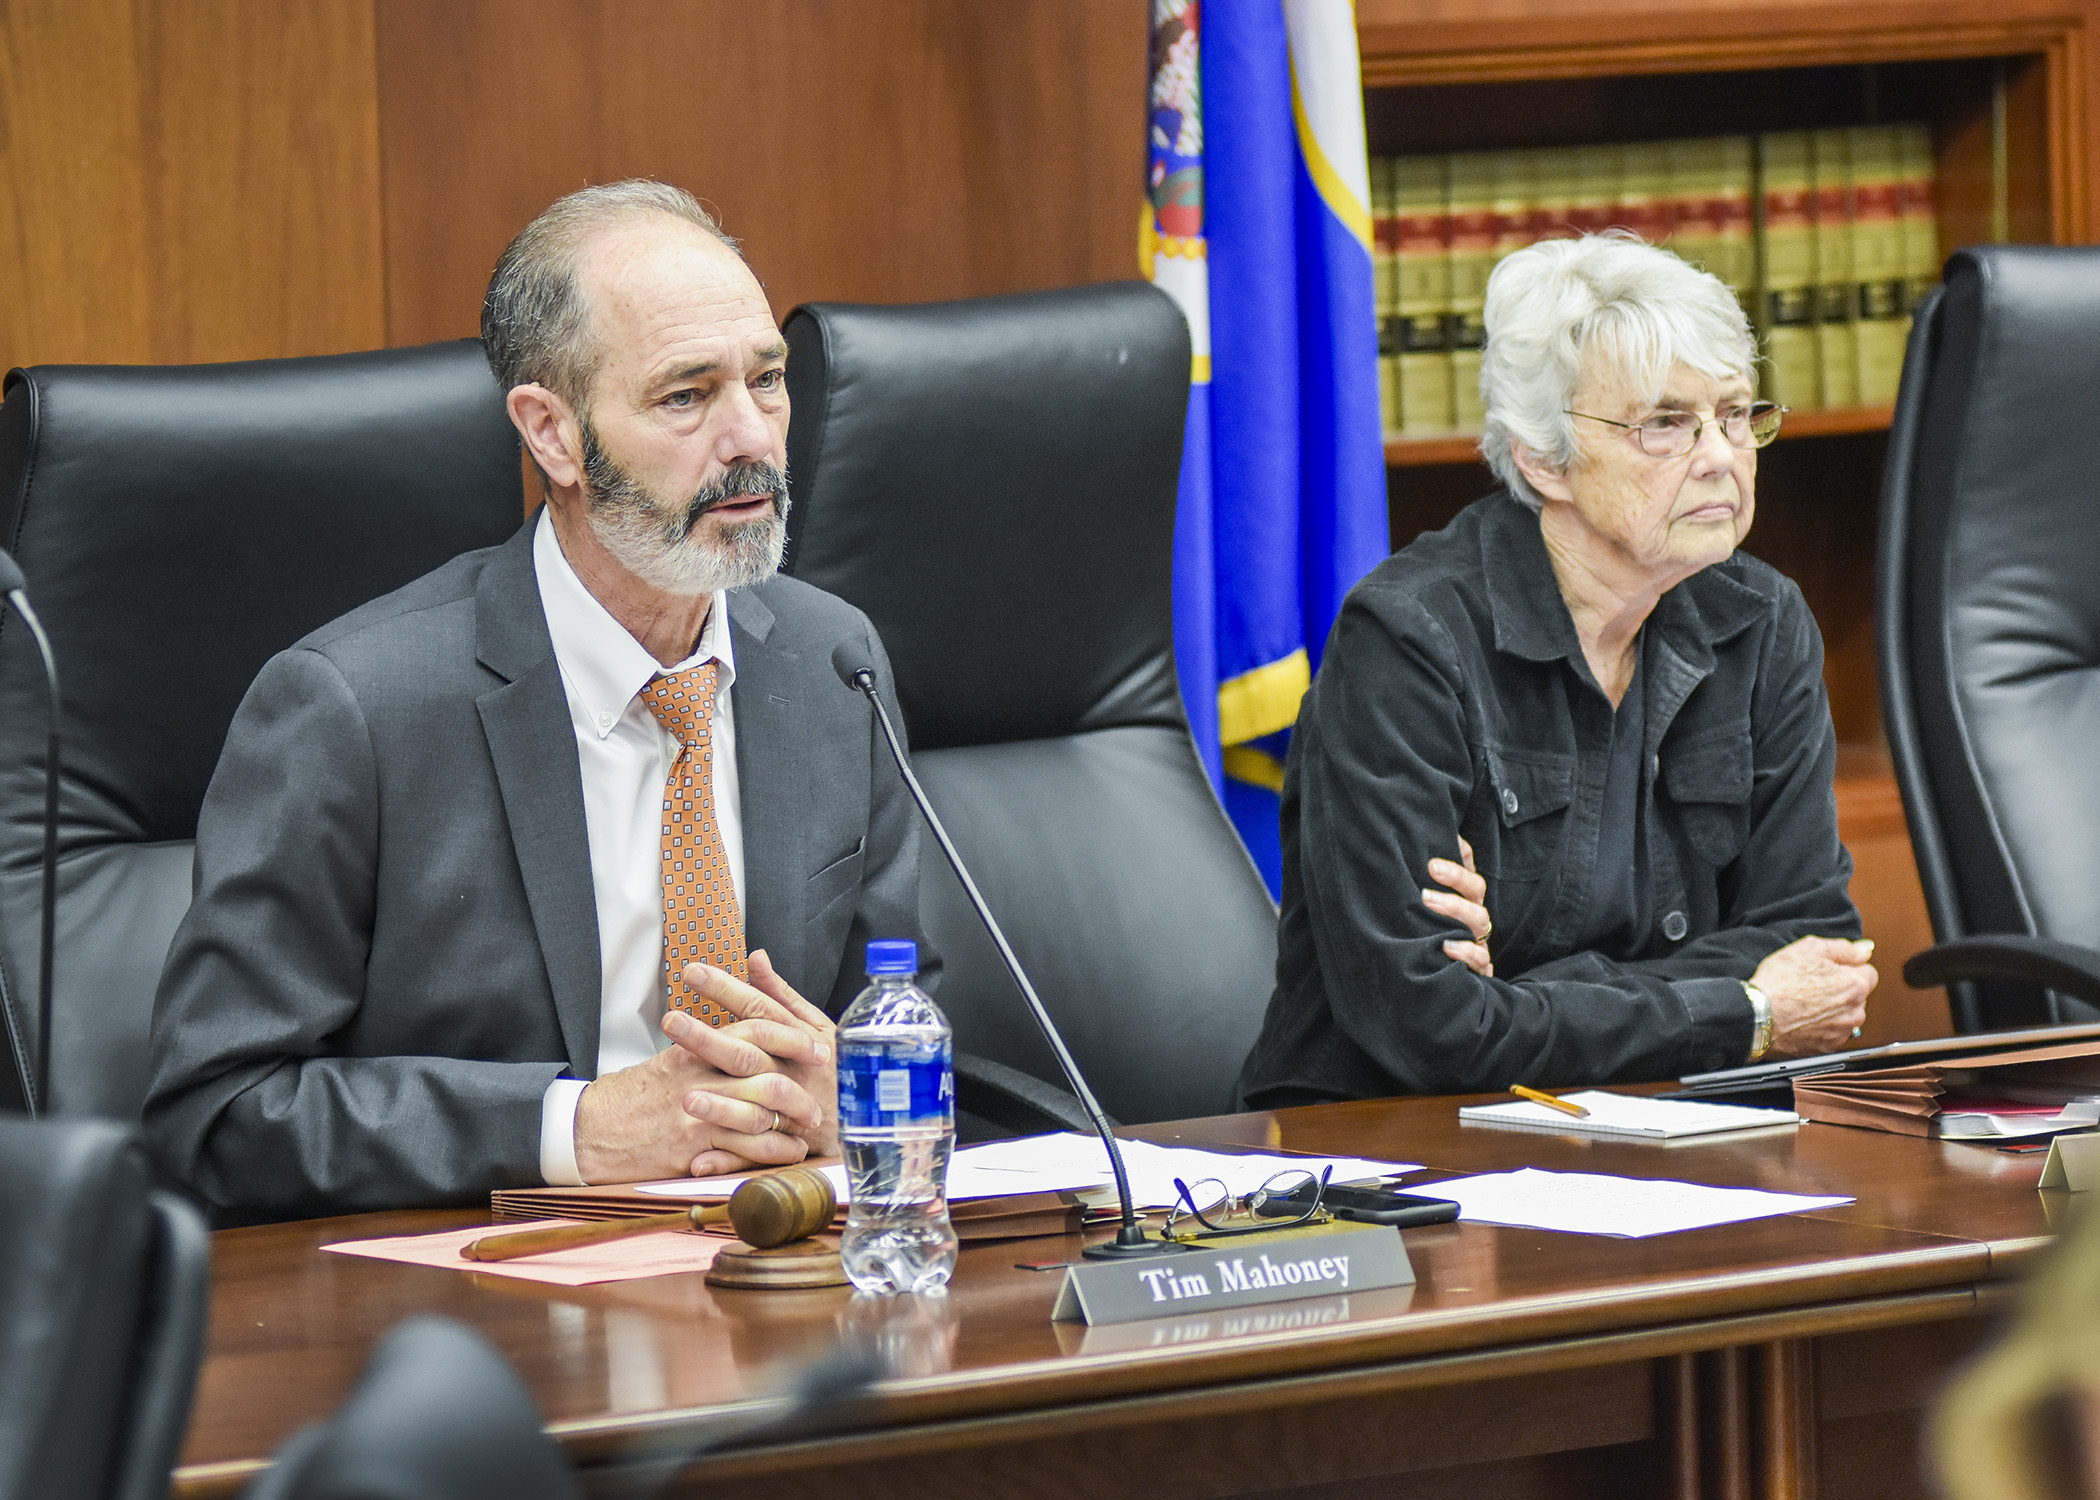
column 2006, row 88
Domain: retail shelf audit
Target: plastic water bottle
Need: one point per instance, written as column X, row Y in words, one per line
column 897, row 1125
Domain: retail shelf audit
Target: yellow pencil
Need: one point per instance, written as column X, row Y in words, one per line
column 1536, row 1097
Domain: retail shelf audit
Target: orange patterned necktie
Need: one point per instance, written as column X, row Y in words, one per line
column 701, row 919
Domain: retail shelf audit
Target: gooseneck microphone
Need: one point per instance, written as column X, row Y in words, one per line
column 857, row 671
column 16, row 587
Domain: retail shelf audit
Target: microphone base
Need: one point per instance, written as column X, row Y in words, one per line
column 1117, row 1250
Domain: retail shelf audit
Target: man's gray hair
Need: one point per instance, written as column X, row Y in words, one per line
column 1637, row 311
column 535, row 320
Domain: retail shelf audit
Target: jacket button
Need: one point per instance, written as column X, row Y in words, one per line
column 1509, row 803
column 1674, row 926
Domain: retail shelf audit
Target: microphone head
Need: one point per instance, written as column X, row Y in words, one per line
column 839, row 1377
column 855, row 667
column 11, row 578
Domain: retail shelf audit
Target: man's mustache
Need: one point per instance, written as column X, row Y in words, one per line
column 744, row 482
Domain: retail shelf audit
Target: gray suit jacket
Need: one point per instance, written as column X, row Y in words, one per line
column 394, row 943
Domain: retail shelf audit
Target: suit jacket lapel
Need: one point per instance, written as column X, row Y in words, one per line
column 767, row 788
column 534, row 749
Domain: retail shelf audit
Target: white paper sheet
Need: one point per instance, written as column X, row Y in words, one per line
column 1628, row 1207
column 1958, row 1124
column 1062, row 1163
column 1630, row 1115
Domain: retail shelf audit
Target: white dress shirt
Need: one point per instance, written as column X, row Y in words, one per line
column 625, row 756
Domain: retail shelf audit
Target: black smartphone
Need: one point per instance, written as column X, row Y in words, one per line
column 1365, row 1205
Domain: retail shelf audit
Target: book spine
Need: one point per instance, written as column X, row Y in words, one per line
column 1597, row 182
column 1553, row 194
column 1471, row 196
column 1385, row 287
column 1690, row 179
column 1789, row 282
column 1837, row 355
column 1422, row 294
column 1877, row 262
column 1733, row 214
column 1704, row 231
column 1513, row 193
column 1921, row 229
column 1646, row 205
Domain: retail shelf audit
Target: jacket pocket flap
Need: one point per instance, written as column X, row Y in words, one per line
column 1713, row 768
column 1532, row 786
column 847, row 863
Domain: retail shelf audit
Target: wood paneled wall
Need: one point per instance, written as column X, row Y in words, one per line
column 188, row 182
column 891, row 152
column 229, row 179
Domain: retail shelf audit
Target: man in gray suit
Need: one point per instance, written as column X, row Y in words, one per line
column 428, row 954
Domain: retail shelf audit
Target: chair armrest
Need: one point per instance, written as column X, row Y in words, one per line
column 1013, row 1100
column 2064, row 967
column 170, row 1349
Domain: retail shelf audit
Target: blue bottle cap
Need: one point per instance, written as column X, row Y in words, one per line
column 893, row 956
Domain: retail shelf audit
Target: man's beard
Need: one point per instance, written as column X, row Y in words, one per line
column 658, row 543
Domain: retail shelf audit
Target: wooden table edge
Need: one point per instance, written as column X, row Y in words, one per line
column 949, row 1433
column 905, row 1422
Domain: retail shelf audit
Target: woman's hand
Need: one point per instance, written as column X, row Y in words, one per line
column 1818, row 988
column 1467, row 908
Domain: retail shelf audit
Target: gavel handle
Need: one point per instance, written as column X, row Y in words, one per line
column 538, row 1241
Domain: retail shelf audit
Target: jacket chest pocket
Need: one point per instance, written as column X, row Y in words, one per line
column 1709, row 781
column 840, row 877
column 1528, row 800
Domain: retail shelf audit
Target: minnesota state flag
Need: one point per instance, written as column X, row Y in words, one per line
column 1257, row 222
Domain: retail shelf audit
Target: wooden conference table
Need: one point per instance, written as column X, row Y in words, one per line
column 1785, row 1357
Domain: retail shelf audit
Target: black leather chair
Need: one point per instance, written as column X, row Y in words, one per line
column 437, row 1415
column 1988, row 618
column 177, row 526
column 103, row 1285
column 993, row 482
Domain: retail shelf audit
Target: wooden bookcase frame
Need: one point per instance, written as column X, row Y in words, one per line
column 2015, row 161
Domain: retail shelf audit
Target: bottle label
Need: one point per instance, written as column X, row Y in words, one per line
column 895, row 1083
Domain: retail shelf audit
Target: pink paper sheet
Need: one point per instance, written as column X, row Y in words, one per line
column 665, row 1252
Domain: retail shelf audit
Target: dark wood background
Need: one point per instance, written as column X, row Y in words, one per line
column 225, row 179
column 235, row 179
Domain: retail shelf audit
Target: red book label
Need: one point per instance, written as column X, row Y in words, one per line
column 1423, row 234
column 1786, row 208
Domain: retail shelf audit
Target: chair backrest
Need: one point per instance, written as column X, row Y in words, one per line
column 103, row 1287
column 177, row 526
column 993, row 482
column 437, row 1415
column 1988, row 609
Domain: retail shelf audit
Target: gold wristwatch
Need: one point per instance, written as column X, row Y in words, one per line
column 1761, row 1022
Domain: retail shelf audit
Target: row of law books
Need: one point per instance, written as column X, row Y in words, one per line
column 1829, row 237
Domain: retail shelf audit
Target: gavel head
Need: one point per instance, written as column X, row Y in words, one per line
column 790, row 1204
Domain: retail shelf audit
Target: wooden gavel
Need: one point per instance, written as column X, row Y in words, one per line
column 790, row 1204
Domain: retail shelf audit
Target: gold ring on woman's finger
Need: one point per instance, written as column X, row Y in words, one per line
column 776, row 1121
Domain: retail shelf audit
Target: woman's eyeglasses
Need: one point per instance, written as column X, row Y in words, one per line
column 1672, row 434
column 1208, row 1211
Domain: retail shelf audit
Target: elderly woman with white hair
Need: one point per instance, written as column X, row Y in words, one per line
column 1559, row 807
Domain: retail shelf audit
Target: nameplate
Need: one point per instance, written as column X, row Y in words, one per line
column 2074, row 1163
column 1314, row 1261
